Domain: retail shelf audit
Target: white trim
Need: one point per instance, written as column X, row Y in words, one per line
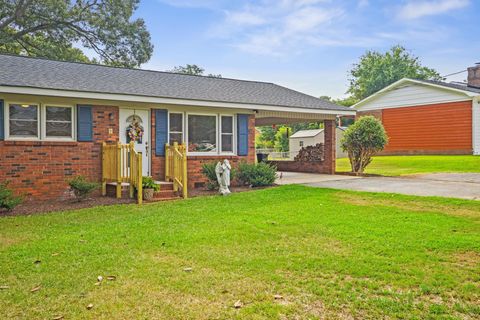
column 202, row 153
column 7, row 122
column 404, row 81
column 183, row 126
column 43, row 125
column 146, row 99
column 220, row 134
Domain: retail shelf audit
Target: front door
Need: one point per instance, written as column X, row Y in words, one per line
column 135, row 126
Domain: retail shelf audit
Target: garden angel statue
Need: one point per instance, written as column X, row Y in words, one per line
column 222, row 171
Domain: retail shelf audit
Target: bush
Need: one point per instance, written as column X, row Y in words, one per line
column 7, row 199
column 208, row 170
column 81, row 187
column 362, row 140
column 149, row 183
column 257, row 175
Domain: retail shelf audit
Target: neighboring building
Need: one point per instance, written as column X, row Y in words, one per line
column 428, row 117
column 304, row 138
column 54, row 117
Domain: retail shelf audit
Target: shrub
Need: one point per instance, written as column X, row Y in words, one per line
column 81, row 187
column 362, row 140
column 208, row 170
column 149, row 183
column 257, row 175
column 7, row 199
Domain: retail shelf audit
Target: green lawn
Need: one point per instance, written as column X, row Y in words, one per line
column 400, row 165
column 330, row 254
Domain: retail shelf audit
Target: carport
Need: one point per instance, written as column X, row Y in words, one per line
column 328, row 116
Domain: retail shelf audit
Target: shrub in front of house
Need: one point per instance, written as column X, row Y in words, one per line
column 257, row 174
column 81, row 187
column 208, row 170
column 8, row 200
column 362, row 140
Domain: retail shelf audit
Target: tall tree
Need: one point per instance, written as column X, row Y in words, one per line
column 51, row 28
column 377, row 70
column 193, row 69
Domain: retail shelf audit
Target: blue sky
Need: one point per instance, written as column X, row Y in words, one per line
column 308, row 45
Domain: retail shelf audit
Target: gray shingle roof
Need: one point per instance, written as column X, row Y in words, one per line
column 49, row 74
column 458, row 86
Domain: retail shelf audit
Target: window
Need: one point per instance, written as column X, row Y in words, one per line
column 202, row 133
column 301, row 143
column 226, row 134
column 23, row 120
column 175, row 128
column 58, row 122
column 40, row 122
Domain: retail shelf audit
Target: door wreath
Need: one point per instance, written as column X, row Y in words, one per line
column 135, row 131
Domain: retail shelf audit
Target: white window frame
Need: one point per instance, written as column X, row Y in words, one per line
column 7, row 122
column 44, row 122
column 183, row 126
column 41, row 122
column 220, row 134
column 202, row 153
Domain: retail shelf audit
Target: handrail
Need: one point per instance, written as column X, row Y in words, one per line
column 176, row 167
column 122, row 163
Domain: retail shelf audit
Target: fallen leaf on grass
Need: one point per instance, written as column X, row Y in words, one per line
column 57, row 318
column 99, row 278
column 90, row 306
column 278, row 297
column 188, row 269
column 112, row 278
column 35, row 289
column 238, row 304
column 97, row 283
column 55, row 254
column 37, row 261
column 4, row 287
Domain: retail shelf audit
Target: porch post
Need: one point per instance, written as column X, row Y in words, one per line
column 330, row 146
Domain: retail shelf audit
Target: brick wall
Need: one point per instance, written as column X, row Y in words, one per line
column 40, row 169
column 194, row 163
column 326, row 166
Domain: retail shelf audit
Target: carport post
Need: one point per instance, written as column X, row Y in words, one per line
column 330, row 146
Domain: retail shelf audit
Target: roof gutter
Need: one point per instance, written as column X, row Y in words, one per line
column 159, row 100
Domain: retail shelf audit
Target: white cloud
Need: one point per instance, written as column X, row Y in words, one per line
column 419, row 9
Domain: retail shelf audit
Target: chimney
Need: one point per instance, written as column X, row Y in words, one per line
column 474, row 76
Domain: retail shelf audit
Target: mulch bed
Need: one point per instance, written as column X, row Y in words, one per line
column 36, row 207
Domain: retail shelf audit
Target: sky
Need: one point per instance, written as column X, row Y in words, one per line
column 308, row 45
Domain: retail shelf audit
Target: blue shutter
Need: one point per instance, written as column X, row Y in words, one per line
column 161, row 131
column 84, row 123
column 242, row 125
column 2, row 121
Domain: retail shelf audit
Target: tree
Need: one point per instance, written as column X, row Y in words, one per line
column 193, row 69
column 375, row 71
column 281, row 139
column 51, row 28
column 362, row 140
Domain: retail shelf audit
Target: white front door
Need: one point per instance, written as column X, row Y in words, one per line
column 135, row 126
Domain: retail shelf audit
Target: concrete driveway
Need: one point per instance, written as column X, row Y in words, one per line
column 453, row 185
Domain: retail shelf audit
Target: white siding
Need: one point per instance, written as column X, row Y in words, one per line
column 294, row 143
column 412, row 94
column 476, row 126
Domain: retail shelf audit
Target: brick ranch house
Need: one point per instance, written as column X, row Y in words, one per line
column 54, row 117
column 428, row 117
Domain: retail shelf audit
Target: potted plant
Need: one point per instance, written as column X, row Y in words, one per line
column 149, row 187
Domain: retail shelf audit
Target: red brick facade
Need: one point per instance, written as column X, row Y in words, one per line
column 326, row 166
column 39, row 169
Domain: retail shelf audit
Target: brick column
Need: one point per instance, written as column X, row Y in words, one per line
column 330, row 146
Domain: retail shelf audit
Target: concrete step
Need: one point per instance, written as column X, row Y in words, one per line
column 164, row 185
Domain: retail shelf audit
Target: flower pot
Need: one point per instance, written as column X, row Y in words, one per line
column 148, row 194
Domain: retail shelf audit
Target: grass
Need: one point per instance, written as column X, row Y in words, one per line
column 330, row 254
column 401, row 165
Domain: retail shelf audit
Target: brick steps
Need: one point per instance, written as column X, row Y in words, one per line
column 166, row 192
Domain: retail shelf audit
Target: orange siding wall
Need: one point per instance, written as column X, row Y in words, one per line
column 431, row 129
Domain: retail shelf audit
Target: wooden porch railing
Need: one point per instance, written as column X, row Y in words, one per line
column 120, row 164
column 176, row 167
